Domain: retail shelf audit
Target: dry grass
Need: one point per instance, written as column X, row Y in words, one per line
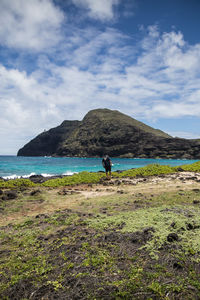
column 130, row 194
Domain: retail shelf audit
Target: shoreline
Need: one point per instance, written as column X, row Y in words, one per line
column 14, row 169
column 148, row 170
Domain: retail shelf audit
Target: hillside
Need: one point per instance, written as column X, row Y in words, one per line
column 105, row 131
column 46, row 143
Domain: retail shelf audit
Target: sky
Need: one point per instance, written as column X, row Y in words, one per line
column 60, row 59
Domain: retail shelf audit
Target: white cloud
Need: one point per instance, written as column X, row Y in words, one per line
column 32, row 24
column 156, row 78
column 98, row 9
column 185, row 134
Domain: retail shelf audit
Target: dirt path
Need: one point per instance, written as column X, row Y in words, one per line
column 183, row 180
column 97, row 197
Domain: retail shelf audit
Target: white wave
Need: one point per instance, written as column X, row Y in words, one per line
column 68, row 173
column 47, row 175
column 14, row 176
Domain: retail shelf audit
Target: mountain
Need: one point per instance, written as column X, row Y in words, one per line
column 46, row 143
column 109, row 131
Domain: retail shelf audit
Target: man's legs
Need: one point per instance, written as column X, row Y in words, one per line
column 108, row 173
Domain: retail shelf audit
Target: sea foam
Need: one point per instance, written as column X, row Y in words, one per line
column 14, row 176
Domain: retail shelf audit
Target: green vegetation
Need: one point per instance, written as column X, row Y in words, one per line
column 141, row 244
column 21, row 256
column 16, row 183
column 82, row 177
column 195, row 167
column 48, row 256
column 163, row 220
column 149, row 170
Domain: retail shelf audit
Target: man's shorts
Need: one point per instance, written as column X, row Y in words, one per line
column 108, row 169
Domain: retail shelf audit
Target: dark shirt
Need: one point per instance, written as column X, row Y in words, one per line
column 106, row 163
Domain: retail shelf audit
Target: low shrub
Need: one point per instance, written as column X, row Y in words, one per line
column 15, row 183
column 149, row 170
column 83, row 177
column 195, row 167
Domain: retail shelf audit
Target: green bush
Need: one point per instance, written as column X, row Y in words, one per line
column 195, row 167
column 15, row 183
column 83, row 177
column 152, row 169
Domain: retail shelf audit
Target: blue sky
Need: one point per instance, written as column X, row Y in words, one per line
column 59, row 59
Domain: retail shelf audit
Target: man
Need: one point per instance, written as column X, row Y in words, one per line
column 106, row 162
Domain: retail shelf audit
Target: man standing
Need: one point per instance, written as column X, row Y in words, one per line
column 106, row 162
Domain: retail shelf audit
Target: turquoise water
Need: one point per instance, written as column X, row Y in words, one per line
column 17, row 166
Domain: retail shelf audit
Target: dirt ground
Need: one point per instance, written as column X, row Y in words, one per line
column 79, row 242
column 48, row 200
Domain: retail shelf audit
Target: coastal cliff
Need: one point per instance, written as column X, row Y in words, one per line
column 109, row 131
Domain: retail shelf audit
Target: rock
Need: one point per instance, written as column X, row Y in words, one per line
column 196, row 190
column 120, row 192
column 36, row 178
column 173, row 224
column 172, row 237
column 180, row 169
column 117, row 182
column 9, row 195
column 194, row 178
column 105, row 131
column 35, row 192
column 68, row 192
column 1, row 192
column 196, row 201
column 148, row 230
column 177, row 265
column 43, row 216
column 189, row 226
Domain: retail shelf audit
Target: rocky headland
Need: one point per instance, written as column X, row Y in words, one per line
column 109, row 131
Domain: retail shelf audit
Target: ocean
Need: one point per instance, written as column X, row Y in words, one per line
column 19, row 166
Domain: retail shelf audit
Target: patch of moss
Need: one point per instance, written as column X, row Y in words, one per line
column 164, row 220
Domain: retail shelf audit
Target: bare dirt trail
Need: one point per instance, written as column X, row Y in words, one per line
column 158, row 184
column 82, row 197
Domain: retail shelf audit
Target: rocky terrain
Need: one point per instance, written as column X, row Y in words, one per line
column 124, row 238
column 105, row 131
